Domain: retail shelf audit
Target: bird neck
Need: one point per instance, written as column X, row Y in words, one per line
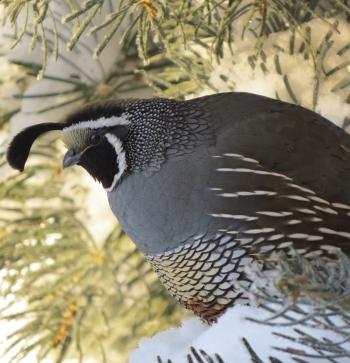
column 163, row 129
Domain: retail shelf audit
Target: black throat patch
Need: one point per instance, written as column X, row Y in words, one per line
column 101, row 162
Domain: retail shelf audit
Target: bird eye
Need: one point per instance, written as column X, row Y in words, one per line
column 95, row 139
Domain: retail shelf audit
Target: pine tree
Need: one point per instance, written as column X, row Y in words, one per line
column 78, row 297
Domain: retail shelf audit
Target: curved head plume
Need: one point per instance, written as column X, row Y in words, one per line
column 94, row 136
column 19, row 148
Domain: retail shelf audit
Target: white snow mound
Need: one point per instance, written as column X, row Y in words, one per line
column 225, row 338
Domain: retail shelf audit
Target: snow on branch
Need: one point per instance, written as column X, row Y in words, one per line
column 299, row 313
column 157, row 25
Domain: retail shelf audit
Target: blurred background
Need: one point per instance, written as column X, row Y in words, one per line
column 73, row 287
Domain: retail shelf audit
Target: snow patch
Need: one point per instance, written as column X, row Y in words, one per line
column 225, row 338
column 234, row 72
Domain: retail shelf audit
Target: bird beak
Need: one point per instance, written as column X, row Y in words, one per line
column 71, row 158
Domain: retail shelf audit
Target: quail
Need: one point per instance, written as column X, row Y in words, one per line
column 204, row 186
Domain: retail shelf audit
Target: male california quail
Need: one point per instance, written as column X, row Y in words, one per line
column 203, row 186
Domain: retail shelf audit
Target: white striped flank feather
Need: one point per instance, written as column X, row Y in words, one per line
column 305, row 210
column 245, row 193
column 293, row 221
column 302, row 189
column 340, row 206
column 253, row 171
column 337, row 233
column 243, row 158
column 259, row 230
column 235, row 216
column 326, row 210
column 319, row 200
column 296, row 197
column 275, row 214
column 313, row 204
column 295, row 216
column 283, row 228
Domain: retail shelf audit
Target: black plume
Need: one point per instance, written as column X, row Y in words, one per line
column 18, row 151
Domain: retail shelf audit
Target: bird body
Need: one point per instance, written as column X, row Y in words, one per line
column 205, row 186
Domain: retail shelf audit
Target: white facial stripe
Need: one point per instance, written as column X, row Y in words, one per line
column 99, row 123
column 121, row 159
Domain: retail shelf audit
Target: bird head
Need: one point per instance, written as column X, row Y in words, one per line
column 94, row 136
column 111, row 139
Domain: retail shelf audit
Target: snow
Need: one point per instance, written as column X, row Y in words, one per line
column 300, row 71
column 225, row 339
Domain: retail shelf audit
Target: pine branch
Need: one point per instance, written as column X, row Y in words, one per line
column 68, row 283
column 302, row 293
column 73, row 291
column 155, row 22
column 79, row 90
